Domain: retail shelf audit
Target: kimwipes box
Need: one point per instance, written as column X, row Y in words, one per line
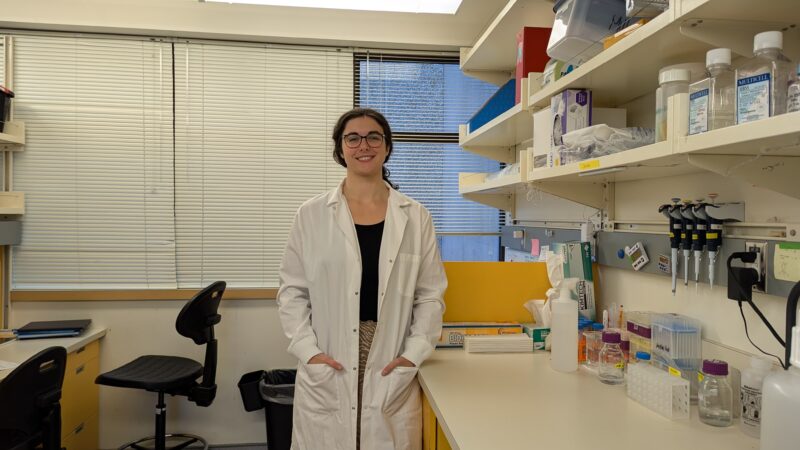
column 453, row 332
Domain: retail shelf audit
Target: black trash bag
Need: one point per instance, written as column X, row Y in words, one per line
column 277, row 392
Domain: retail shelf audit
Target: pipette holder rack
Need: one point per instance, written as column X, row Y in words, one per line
column 659, row 391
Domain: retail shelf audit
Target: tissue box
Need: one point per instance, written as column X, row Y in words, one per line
column 571, row 110
column 543, row 127
column 453, row 332
column 536, row 332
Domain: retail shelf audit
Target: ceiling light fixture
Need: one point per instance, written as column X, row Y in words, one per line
column 419, row 6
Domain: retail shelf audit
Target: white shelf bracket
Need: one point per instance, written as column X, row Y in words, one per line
column 776, row 173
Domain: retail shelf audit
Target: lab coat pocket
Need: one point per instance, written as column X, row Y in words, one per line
column 318, row 387
column 406, row 272
column 402, row 382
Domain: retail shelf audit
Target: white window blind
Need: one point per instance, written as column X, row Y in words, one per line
column 253, row 127
column 97, row 168
column 425, row 99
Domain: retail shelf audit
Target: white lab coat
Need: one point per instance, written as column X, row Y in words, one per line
column 320, row 277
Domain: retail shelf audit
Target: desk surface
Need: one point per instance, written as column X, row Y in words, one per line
column 18, row 351
column 506, row 401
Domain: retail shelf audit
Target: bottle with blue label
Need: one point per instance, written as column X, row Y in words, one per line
column 712, row 100
column 762, row 83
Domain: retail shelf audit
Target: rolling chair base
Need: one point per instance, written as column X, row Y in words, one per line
column 187, row 441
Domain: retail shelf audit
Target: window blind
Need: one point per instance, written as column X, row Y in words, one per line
column 97, row 167
column 425, row 100
column 253, row 127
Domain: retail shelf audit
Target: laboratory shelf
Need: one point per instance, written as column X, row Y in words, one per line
column 775, row 136
column 628, row 69
column 582, row 181
column 765, row 153
column 12, row 203
column 651, row 161
column 470, row 183
column 13, row 136
column 496, row 139
column 493, row 56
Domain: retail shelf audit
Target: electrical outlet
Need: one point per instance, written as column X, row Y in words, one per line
column 760, row 264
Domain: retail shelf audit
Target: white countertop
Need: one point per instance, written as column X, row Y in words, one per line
column 17, row 351
column 507, row 401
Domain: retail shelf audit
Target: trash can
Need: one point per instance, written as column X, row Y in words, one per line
column 272, row 390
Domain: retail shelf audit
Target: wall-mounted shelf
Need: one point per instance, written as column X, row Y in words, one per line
column 13, row 136
column 497, row 139
column 765, row 153
column 12, row 203
column 629, row 69
column 493, row 56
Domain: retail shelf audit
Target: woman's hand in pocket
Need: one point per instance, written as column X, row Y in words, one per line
column 322, row 358
column 399, row 361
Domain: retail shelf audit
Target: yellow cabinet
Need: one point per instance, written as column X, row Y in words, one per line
column 83, row 437
column 433, row 437
column 80, row 397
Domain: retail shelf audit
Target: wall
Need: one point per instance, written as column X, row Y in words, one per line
column 250, row 338
column 191, row 18
column 638, row 201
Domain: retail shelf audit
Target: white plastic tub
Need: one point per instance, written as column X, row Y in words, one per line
column 580, row 26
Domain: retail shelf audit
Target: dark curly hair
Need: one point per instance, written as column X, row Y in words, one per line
column 338, row 132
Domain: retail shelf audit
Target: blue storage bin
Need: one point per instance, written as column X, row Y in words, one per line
column 500, row 102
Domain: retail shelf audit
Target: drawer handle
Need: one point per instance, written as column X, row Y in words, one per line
column 80, row 369
column 80, row 350
column 79, row 428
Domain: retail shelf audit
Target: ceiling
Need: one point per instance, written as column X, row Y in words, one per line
column 191, row 18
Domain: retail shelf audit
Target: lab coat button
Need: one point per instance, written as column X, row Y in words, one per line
column 355, row 331
column 356, row 292
column 390, row 260
column 355, row 368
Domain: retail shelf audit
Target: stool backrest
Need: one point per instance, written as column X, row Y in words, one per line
column 196, row 321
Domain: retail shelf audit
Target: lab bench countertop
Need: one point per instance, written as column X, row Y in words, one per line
column 504, row 401
column 17, row 351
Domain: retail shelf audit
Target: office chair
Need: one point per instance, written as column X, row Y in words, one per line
column 30, row 412
column 175, row 375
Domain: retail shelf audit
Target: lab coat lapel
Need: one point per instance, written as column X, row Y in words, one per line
column 342, row 217
column 394, row 227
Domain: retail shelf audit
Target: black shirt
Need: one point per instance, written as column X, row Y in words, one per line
column 369, row 240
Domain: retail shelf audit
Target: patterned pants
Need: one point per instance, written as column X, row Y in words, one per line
column 365, row 335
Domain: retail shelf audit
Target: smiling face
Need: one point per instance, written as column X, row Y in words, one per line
column 365, row 159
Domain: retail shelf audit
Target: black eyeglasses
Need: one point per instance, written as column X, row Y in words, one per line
column 353, row 140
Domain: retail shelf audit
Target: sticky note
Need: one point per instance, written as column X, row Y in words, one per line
column 534, row 247
column 787, row 261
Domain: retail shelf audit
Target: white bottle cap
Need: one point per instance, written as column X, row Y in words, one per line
column 760, row 364
column 768, row 39
column 795, row 357
column 718, row 56
column 673, row 75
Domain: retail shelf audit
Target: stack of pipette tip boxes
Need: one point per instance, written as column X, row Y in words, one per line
column 676, row 345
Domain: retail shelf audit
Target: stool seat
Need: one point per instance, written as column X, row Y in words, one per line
column 154, row 373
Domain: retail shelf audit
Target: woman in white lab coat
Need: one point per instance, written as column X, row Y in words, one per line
column 360, row 298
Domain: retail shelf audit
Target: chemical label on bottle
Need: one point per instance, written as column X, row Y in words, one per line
column 752, row 98
column 619, row 365
column 751, row 405
column 698, row 112
column 674, row 372
column 700, row 377
column 793, row 101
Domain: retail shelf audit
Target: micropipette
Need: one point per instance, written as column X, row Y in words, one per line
column 674, row 240
column 698, row 240
column 687, row 237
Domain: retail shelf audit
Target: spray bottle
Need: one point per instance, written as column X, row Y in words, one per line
column 563, row 328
